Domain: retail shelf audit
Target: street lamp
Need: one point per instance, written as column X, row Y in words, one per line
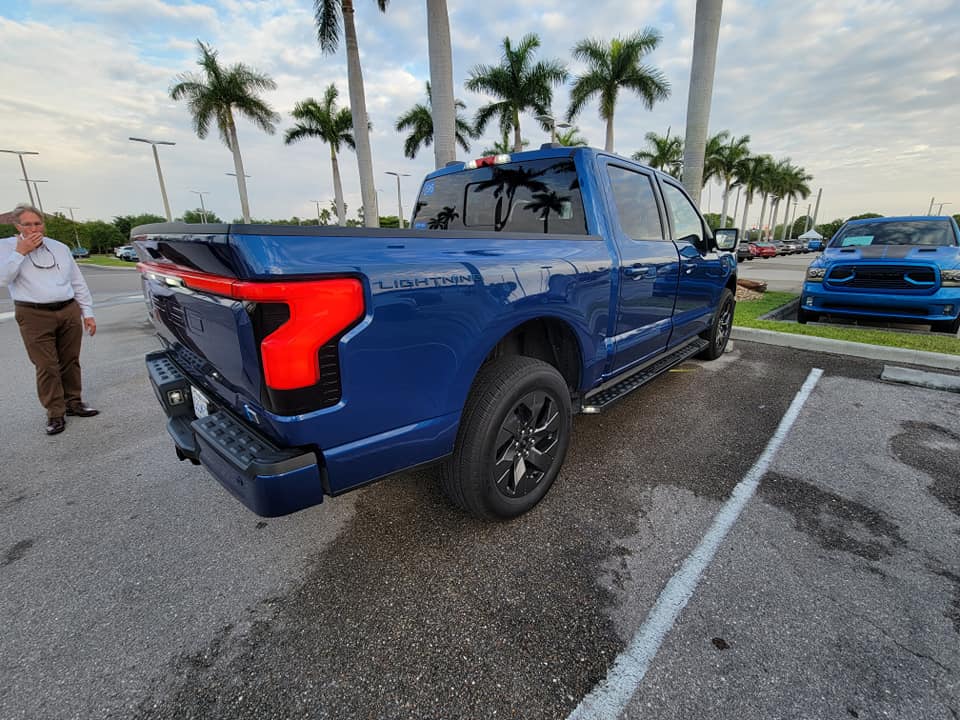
column 156, row 159
column 23, row 167
column 553, row 124
column 941, row 206
column 203, row 208
column 76, row 236
column 399, row 201
column 317, row 203
column 37, row 191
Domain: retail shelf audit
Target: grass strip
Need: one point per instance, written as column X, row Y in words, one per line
column 108, row 260
column 748, row 312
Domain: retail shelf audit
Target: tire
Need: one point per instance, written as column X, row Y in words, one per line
column 805, row 316
column 518, row 411
column 951, row 327
column 719, row 333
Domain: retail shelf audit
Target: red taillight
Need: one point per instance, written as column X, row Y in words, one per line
column 319, row 311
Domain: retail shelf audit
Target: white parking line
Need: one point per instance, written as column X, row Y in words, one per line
column 609, row 698
column 5, row 316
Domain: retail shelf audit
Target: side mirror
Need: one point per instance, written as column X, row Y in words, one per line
column 815, row 245
column 726, row 239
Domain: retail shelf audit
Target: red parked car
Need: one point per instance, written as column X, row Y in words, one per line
column 764, row 249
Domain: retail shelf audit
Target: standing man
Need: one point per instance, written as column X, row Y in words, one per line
column 53, row 306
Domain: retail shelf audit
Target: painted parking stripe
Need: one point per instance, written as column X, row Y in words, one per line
column 5, row 316
column 609, row 698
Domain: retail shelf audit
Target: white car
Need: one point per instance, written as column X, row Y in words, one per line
column 118, row 251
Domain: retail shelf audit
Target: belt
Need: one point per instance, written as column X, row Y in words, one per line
column 44, row 306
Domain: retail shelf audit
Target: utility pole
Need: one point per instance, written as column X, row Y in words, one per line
column 156, row 160
column 76, row 236
column 37, row 191
column 399, row 201
column 940, row 209
column 317, row 203
column 23, row 167
column 806, row 225
column 203, row 208
column 930, row 209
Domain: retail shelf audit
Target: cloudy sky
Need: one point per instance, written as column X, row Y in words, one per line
column 863, row 94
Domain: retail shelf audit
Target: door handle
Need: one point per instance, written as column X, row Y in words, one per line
column 636, row 271
column 690, row 266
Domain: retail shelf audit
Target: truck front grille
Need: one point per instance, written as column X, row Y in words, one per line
column 921, row 279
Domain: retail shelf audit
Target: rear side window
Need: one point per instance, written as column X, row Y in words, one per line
column 538, row 196
column 636, row 204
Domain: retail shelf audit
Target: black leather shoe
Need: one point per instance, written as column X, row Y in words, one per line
column 81, row 410
column 55, row 425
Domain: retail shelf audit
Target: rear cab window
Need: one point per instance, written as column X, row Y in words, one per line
column 535, row 196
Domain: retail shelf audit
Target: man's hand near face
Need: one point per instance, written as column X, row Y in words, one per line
column 29, row 240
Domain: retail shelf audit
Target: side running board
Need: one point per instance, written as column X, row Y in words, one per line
column 596, row 401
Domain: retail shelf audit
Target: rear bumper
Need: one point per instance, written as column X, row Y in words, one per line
column 269, row 480
column 939, row 306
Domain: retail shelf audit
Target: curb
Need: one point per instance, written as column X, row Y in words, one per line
column 107, row 267
column 845, row 347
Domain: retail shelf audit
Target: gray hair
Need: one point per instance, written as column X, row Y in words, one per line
column 19, row 211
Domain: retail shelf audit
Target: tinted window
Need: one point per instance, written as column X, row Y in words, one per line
column 636, row 204
column 917, row 232
column 539, row 196
column 685, row 218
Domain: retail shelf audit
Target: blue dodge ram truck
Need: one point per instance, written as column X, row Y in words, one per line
column 299, row 362
column 905, row 269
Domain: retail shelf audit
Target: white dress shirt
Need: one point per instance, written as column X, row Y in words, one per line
column 48, row 274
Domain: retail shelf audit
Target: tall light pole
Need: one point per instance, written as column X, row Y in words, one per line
column 203, row 208
column 76, row 236
column 806, row 225
column 399, row 201
column 37, row 191
column 930, row 209
column 317, row 203
column 553, row 124
column 156, row 160
column 816, row 209
column 23, row 167
column 939, row 209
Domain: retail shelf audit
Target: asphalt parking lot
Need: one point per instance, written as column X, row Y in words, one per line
column 132, row 586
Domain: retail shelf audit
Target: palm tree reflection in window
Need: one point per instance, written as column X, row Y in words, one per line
column 506, row 181
column 547, row 202
column 443, row 219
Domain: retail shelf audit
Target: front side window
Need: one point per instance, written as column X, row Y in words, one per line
column 636, row 204
column 685, row 218
column 537, row 196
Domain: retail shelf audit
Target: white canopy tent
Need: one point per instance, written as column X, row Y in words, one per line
column 811, row 235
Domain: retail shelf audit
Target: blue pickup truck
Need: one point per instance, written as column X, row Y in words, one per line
column 904, row 269
column 299, row 362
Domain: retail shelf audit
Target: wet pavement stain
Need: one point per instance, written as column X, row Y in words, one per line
column 17, row 552
column 953, row 612
column 934, row 451
column 456, row 617
column 831, row 519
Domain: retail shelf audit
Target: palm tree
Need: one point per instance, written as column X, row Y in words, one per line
column 324, row 121
column 749, row 174
column 766, row 185
column 665, row 153
column 519, row 84
column 419, row 120
column 614, row 66
column 571, row 138
column 443, row 106
column 794, row 184
column 330, row 14
column 215, row 94
column 711, row 157
column 705, row 36
column 728, row 160
column 503, row 146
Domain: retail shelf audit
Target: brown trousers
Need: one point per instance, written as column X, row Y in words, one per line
column 52, row 339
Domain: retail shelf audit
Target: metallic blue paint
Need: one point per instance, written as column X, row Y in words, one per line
column 436, row 305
